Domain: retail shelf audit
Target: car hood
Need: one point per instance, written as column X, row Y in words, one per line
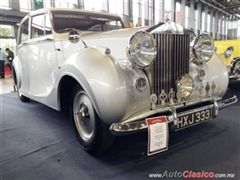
column 116, row 40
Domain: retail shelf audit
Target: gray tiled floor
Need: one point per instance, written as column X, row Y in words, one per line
column 38, row 143
column 6, row 85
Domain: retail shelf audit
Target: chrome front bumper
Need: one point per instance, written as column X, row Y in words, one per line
column 234, row 78
column 138, row 124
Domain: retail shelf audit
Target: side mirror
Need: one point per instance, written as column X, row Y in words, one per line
column 74, row 36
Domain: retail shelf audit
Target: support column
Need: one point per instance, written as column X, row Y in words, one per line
column 126, row 13
column 220, row 25
column 130, row 13
column 211, row 22
column 125, row 8
column 153, row 12
column 223, row 27
column 191, row 23
column 130, row 9
column 182, row 12
column 146, row 12
column 150, row 12
column 206, row 19
column 199, row 20
column 216, row 25
column 162, row 10
column 227, row 25
column 140, row 13
column 81, row 4
column 14, row 4
column 173, row 11
column 52, row 3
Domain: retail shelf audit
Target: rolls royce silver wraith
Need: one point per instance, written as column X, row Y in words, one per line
column 112, row 79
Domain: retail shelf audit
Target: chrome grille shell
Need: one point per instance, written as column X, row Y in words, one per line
column 172, row 61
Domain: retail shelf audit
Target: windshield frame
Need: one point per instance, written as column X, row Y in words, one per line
column 87, row 14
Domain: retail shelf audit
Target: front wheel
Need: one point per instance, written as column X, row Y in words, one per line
column 92, row 133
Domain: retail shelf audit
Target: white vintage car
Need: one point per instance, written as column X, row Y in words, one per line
column 112, row 79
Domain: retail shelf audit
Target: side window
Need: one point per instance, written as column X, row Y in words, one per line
column 24, row 36
column 37, row 28
column 48, row 26
column 112, row 25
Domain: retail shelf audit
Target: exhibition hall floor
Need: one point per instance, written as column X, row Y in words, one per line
column 6, row 85
column 38, row 143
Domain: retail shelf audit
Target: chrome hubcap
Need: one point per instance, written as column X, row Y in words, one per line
column 84, row 116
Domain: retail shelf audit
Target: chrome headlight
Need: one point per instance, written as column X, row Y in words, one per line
column 203, row 48
column 142, row 49
column 185, row 86
column 228, row 52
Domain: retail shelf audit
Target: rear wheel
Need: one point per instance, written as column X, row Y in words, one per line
column 22, row 97
column 92, row 133
column 16, row 87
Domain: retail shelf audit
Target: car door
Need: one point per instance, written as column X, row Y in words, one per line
column 22, row 54
column 42, row 57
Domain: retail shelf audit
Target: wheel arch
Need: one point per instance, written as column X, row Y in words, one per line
column 65, row 87
column 109, row 85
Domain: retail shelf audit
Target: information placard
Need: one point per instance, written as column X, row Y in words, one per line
column 157, row 134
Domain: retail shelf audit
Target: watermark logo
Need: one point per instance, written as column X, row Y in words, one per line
column 188, row 174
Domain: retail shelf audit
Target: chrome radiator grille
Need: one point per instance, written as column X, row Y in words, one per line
column 171, row 62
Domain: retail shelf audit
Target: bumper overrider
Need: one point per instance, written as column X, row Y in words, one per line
column 137, row 123
column 234, row 78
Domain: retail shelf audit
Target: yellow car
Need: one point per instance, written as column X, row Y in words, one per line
column 229, row 50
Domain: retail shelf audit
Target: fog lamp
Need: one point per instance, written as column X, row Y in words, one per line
column 185, row 86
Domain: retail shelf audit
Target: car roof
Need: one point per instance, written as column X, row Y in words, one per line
column 45, row 10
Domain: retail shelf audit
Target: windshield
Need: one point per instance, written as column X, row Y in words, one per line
column 85, row 21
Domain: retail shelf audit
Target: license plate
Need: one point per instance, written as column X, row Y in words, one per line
column 191, row 119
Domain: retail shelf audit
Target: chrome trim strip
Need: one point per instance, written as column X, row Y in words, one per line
column 227, row 102
column 124, row 128
column 165, row 108
column 234, row 78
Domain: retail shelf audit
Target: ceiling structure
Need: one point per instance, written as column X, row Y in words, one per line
column 231, row 7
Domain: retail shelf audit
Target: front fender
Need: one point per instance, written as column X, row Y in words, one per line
column 216, row 74
column 217, row 71
column 110, row 87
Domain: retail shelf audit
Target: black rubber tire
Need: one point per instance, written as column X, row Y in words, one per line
column 21, row 97
column 102, row 139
